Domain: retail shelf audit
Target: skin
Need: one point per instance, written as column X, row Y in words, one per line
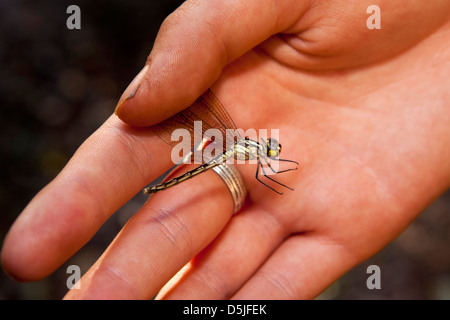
column 364, row 112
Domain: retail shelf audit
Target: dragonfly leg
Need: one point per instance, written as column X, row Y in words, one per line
column 270, row 167
column 265, row 175
column 276, row 172
column 286, row 160
column 291, row 161
column 257, row 178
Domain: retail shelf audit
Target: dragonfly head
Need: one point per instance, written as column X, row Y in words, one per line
column 273, row 148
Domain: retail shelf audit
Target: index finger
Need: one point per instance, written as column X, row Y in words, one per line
column 108, row 169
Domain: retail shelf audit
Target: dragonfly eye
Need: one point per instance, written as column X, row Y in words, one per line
column 273, row 148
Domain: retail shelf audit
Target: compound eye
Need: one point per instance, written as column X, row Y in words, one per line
column 273, row 148
column 272, row 143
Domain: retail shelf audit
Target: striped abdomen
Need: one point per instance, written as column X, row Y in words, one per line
column 189, row 174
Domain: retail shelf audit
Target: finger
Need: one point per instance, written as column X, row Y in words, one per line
column 224, row 266
column 193, row 45
column 107, row 170
column 162, row 237
column 301, row 268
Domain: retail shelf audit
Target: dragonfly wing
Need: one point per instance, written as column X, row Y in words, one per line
column 207, row 109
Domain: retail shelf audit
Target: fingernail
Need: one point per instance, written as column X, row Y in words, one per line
column 132, row 88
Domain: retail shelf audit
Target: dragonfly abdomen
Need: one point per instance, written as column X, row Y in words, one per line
column 187, row 175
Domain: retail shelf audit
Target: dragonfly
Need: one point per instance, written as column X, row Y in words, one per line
column 209, row 110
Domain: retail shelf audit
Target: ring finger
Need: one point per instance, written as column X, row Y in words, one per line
column 162, row 237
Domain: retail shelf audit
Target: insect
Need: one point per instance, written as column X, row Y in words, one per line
column 208, row 109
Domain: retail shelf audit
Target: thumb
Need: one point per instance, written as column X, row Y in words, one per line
column 192, row 47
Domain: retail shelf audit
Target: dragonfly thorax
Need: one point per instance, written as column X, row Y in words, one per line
column 248, row 149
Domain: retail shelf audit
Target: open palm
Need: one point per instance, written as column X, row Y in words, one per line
column 364, row 112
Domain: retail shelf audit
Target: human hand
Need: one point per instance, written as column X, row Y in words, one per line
column 373, row 153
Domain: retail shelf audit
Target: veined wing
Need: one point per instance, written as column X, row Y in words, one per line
column 207, row 109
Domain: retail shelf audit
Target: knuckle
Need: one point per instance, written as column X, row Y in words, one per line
column 281, row 284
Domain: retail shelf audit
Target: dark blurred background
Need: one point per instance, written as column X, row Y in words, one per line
column 58, row 85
